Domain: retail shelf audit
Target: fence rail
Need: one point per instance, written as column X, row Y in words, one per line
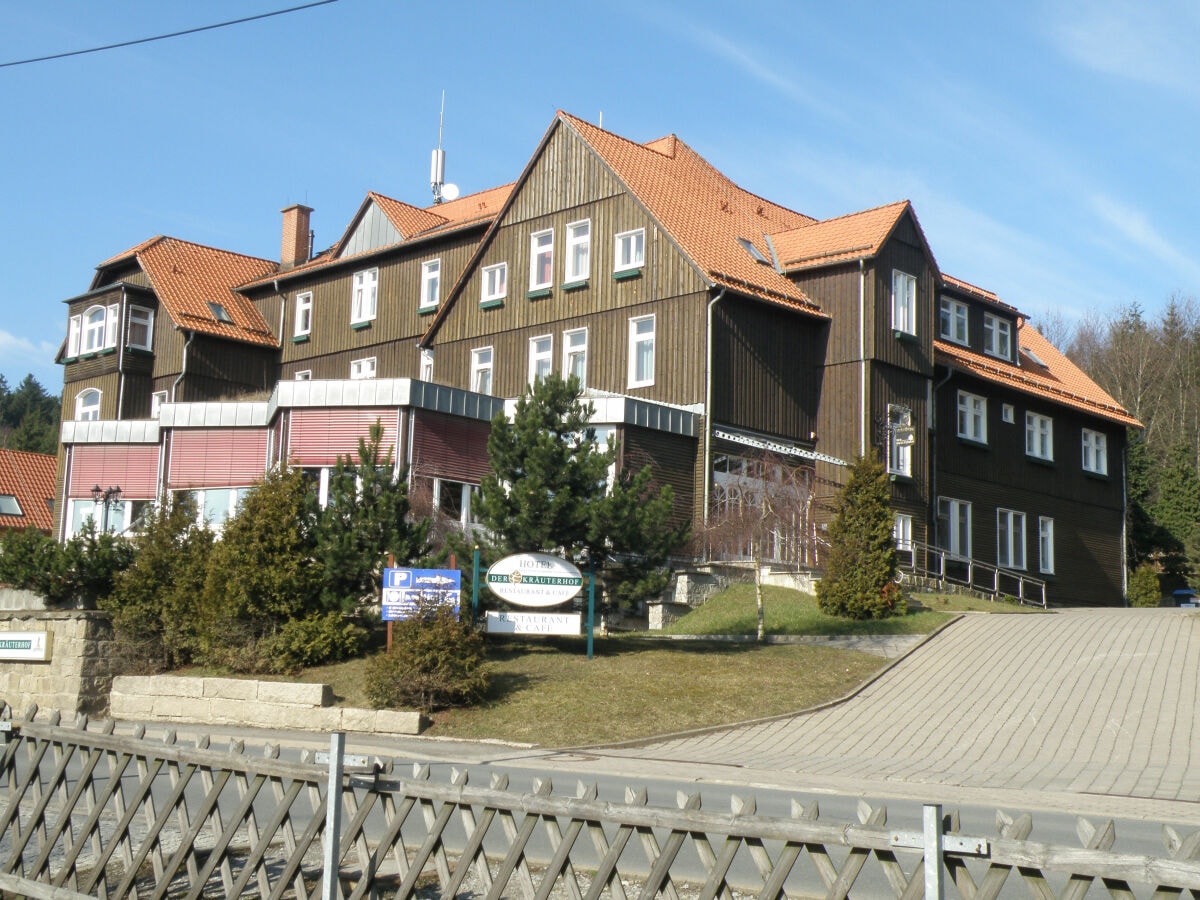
column 90, row 813
column 933, row 566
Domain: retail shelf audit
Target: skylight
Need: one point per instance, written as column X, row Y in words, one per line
column 221, row 313
column 754, row 252
column 1037, row 359
column 9, row 506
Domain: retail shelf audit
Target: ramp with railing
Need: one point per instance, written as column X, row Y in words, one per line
column 925, row 566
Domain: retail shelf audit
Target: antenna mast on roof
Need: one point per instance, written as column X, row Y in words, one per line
column 437, row 166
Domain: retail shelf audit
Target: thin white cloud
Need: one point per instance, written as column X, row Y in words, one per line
column 1136, row 228
column 24, row 357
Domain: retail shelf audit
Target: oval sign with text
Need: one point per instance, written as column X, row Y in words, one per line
column 534, row 579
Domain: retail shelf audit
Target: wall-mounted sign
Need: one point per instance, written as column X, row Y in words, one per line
column 25, row 646
column 534, row 579
column 532, row 623
column 406, row 589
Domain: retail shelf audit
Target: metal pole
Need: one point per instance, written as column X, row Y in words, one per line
column 330, row 885
column 475, row 587
column 591, row 605
column 934, row 888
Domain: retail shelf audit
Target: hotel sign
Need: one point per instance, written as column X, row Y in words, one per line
column 532, row 623
column 24, row 646
column 534, row 579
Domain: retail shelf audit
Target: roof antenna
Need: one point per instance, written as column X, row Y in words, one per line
column 437, row 166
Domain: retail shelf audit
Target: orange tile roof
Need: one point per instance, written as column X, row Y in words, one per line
column 186, row 277
column 408, row 219
column 30, row 478
column 1060, row 380
column 844, row 238
column 967, row 288
column 702, row 211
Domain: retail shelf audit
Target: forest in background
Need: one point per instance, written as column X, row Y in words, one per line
column 29, row 417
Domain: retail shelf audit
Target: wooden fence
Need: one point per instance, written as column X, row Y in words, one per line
column 89, row 813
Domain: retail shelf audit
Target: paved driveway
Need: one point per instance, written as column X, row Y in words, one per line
column 1074, row 704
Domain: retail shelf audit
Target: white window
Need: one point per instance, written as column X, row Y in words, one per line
column 1010, row 539
column 74, row 335
column 952, row 321
column 541, row 260
column 630, row 251
column 426, row 364
column 481, row 370
column 1007, row 413
column 972, row 417
column 575, row 355
column 116, row 517
column 141, row 327
column 431, row 283
column 904, row 302
column 1039, row 436
column 579, row 251
column 954, row 526
column 305, row 375
column 364, row 292
column 997, row 336
column 302, row 319
column 87, row 405
column 641, row 351
column 94, row 321
column 495, row 282
column 362, row 368
column 902, row 532
column 1046, row 545
column 1095, row 452
column 541, row 364
column 215, row 506
column 901, row 438
column 157, row 399
column 452, row 499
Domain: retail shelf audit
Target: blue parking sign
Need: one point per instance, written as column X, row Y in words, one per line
column 405, row 589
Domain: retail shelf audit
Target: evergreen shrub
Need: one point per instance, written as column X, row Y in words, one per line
column 1144, row 589
column 435, row 662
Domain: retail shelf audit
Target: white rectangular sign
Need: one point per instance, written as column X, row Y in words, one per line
column 532, row 623
column 25, row 646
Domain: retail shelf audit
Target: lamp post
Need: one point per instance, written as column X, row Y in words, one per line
column 107, row 496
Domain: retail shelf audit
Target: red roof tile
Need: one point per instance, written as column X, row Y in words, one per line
column 845, row 238
column 967, row 288
column 30, row 478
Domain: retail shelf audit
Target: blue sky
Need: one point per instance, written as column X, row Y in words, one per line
column 1048, row 147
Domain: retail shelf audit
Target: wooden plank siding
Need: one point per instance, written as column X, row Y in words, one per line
column 890, row 385
column 674, row 460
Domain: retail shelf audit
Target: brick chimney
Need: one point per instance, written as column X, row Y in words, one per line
column 295, row 236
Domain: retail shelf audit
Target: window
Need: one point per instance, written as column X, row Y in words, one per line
column 141, row 327
column 1046, row 545
column 997, row 336
column 541, row 350
column 214, row 506
column 94, row 322
column 904, row 302
column 902, row 532
column 220, row 313
column 575, row 355
column 954, row 526
column 9, row 506
column 541, row 260
column 579, row 251
column 1010, row 539
column 74, row 335
column 630, row 252
column 363, row 293
column 495, row 282
column 641, row 351
column 157, row 399
column 1007, row 413
column 305, row 375
column 952, row 321
column 117, row 517
column 900, row 440
column 87, row 405
column 426, row 364
column 481, row 370
column 362, row 368
column 972, row 417
column 452, row 499
column 1095, row 452
column 1039, row 436
column 302, row 320
column 431, row 283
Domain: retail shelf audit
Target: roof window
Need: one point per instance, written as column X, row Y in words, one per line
column 9, row 506
column 1037, row 359
column 220, row 312
column 754, row 252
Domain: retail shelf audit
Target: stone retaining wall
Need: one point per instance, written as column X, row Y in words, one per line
column 76, row 678
column 252, row 704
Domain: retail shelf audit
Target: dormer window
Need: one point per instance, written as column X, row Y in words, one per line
column 997, row 336
column 952, row 321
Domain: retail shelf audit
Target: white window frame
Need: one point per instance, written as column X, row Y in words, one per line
column 364, row 296
column 904, row 302
column 954, row 526
column 232, row 497
column 1095, row 452
column 304, row 375
column 431, row 283
column 426, row 364
column 901, row 440
column 482, row 371
column 95, row 329
column 997, row 337
column 122, row 514
column 954, row 321
column 74, row 335
column 1045, row 545
column 157, row 399
column 541, row 357
column 629, row 250
column 575, row 352
column 141, row 317
column 972, row 417
column 642, row 346
column 302, row 315
column 577, row 264
column 86, row 411
column 493, row 283
column 902, row 531
column 1008, row 414
column 362, row 369
column 1010, row 539
column 541, row 259
column 1039, row 436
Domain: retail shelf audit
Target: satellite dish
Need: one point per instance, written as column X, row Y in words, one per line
column 449, row 191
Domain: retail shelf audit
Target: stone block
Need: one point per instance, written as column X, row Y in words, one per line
column 391, row 721
column 355, row 718
column 175, row 686
column 230, row 689
column 130, row 706
column 295, row 693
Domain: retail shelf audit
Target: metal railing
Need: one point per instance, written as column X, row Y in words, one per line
column 933, row 566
